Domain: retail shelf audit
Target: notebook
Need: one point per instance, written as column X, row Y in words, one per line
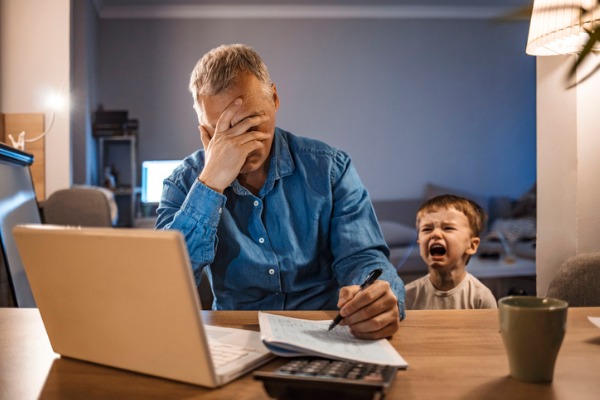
column 126, row 298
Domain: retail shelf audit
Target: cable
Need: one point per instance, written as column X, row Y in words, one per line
column 45, row 132
column 20, row 142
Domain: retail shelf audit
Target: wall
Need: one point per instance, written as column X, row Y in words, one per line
column 83, row 77
column 568, row 167
column 34, row 49
column 450, row 101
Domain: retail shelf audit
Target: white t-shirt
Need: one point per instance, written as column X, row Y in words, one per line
column 469, row 294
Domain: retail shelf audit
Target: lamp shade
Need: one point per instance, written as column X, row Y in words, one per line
column 558, row 26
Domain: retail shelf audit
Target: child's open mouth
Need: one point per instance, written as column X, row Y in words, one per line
column 437, row 249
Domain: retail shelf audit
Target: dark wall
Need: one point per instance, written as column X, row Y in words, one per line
column 449, row 101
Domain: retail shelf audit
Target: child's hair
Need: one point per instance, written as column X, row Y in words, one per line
column 474, row 213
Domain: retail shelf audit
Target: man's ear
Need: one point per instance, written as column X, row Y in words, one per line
column 275, row 96
column 198, row 107
column 474, row 245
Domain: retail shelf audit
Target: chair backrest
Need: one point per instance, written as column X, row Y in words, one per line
column 205, row 291
column 577, row 281
column 78, row 206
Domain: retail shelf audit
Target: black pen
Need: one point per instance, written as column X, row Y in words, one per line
column 368, row 282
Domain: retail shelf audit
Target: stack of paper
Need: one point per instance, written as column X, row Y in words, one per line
column 289, row 337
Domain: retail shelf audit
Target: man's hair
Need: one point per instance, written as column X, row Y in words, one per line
column 218, row 70
column 474, row 213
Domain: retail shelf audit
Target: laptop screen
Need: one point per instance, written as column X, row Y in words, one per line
column 153, row 174
column 18, row 205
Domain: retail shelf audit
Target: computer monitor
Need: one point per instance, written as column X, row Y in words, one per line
column 18, row 205
column 153, row 174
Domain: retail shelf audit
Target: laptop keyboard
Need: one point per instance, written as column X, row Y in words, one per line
column 224, row 353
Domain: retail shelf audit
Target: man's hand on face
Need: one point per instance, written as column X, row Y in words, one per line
column 227, row 147
column 372, row 313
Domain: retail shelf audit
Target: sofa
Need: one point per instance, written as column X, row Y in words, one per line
column 514, row 219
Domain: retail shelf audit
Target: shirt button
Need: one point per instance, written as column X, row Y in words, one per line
column 261, row 240
column 220, row 210
column 271, row 271
column 255, row 203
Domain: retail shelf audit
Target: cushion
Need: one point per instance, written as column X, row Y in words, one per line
column 396, row 234
column 513, row 229
column 525, row 207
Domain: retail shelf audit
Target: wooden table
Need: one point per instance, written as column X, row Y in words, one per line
column 454, row 354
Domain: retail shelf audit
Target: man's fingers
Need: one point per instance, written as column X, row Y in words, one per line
column 255, row 136
column 346, row 294
column 362, row 330
column 365, row 297
column 371, row 313
column 380, row 307
column 374, row 321
column 224, row 122
column 247, row 124
column 253, row 142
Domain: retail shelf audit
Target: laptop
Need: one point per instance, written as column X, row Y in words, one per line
column 126, row 298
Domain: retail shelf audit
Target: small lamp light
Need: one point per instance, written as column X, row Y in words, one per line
column 55, row 102
column 558, row 26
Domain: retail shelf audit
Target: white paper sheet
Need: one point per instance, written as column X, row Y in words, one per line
column 595, row 321
column 287, row 336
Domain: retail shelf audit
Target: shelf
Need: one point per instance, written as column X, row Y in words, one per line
column 127, row 191
column 118, row 154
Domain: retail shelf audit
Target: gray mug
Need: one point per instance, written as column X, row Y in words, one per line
column 532, row 330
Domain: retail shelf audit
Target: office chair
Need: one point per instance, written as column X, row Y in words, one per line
column 205, row 291
column 577, row 281
column 80, row 206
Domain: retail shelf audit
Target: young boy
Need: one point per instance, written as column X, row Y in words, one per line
column 448, row 235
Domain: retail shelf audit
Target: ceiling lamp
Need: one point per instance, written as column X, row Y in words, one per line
column 562, row 26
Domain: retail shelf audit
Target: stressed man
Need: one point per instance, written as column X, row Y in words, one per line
column 280, row 222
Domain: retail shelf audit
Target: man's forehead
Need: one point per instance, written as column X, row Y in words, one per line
column 211, row 107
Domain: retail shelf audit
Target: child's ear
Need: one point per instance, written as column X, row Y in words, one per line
column 474, row 245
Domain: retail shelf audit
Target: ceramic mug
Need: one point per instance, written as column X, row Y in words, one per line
column 532, row 330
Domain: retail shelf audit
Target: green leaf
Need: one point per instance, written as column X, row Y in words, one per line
column 587, row 49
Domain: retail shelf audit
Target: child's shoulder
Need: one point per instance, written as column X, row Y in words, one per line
column 481, row 293
column 472, row 279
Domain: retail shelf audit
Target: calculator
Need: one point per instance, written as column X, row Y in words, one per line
column 317, row 378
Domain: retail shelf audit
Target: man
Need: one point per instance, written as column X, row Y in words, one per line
column 279, row 222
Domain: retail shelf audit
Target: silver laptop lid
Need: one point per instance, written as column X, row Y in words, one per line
column 120, row 297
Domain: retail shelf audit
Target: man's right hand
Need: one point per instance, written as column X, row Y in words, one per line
column 227, row 147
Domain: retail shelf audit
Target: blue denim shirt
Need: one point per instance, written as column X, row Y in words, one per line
column 310, row 230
